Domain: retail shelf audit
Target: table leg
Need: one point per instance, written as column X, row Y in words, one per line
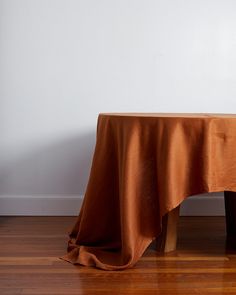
column 167, row 240
column 230, row 213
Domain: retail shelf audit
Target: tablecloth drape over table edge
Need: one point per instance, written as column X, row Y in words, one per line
column 143, row 167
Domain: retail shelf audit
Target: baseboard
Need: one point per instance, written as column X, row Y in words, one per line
column 204, row 205
column 40, row 205
column 54, row 205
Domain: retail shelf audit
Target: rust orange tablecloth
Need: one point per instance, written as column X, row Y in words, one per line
column 144, row 166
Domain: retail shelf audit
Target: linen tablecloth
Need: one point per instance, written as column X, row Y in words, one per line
column 145, row 165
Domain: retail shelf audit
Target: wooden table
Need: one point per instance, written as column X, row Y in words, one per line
column 144, row 167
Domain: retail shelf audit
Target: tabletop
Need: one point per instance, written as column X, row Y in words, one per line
column 171, row 115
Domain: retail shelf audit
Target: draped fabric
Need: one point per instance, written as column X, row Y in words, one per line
column 145, row 165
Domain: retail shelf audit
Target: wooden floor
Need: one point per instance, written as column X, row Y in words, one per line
column 29, row 263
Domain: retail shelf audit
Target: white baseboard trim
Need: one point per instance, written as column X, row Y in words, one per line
column 54, row 205
column 204, row 205
column 40, row 205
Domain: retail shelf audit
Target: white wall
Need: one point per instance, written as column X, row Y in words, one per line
column 64, row 61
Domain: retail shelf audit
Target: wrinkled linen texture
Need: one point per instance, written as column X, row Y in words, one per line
column 145, row 165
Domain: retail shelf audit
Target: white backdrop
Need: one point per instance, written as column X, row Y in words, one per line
column 64, row 61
